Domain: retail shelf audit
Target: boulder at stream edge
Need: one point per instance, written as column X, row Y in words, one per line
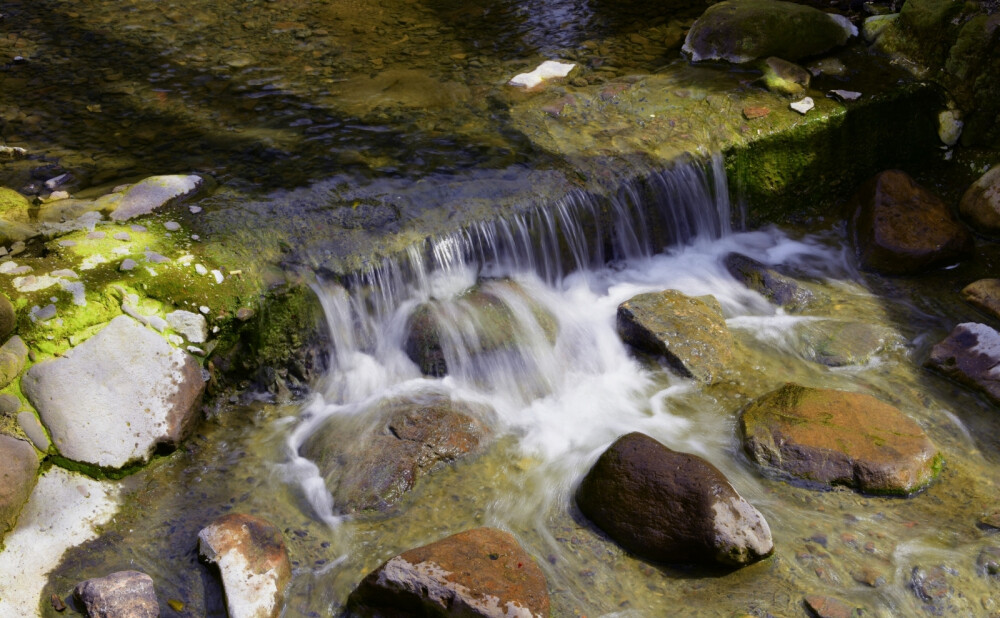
column 689, row 332
column 113, row 399
column 739, row 31
column 832, row 437
column 18, row 475
column 900, row 228
column 125, row 594
column 671, row 507
column 478, row 573
column 970, row 355
column 252, row 558
column 370, row 461
column 981, row 203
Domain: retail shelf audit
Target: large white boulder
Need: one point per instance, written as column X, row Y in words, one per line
column 113, row 399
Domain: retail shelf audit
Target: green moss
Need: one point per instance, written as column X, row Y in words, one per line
column 95, row 472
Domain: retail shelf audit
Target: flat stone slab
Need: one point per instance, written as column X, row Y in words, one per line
column 970, row 355
column 834, row 437
column 153, row 193
column 113, row 399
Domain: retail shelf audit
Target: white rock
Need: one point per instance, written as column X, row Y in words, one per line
column 802, row 106
column 112, row 399
column 196, row 350
column 172, row 226
column 191, row 325
column 8, row 267
column 845, row 95
column 152, row 193
column 950, row 126
column 157, row 322
column 546, row 70
column 65, row 510
column 128, row 264
column 201, row 270
column 194, row 209
column 218, row 276
column 33, row 283
column 91, row 261
column 204, row 309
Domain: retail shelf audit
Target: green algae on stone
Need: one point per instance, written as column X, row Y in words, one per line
column 14, row 207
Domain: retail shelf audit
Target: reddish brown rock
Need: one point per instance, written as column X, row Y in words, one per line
column 970, row 355
column 253, row 561
column 828, row 607
column 839, row 438
column 754, row 112
column 900, row 228
column 481, row 572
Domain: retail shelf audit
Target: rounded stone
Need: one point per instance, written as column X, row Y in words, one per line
column 18, row 475
column 831, row 437
column 984, row 295
column 980, row 204
column 8, row 318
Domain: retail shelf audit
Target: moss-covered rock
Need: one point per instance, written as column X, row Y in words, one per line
column 8, row 317
column 14, row 207
column 784, row 77
column 742, row 30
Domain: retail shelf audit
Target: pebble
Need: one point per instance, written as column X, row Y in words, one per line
column 65, row 273
column 196, row 350
column 17, row 247
column 195, row 237
column 56, row 196
column 218, row 276
column 157, row 322
column 845, row 95
column 802, row 106
column 195, row 209
column 546, row 70
column 135, row 227
column 44, row 313
column 204, row 309
column 172, row 226
column 122, row 236
column 67, row 243
column 96, row 235
column 156, row 258
column 201, row 270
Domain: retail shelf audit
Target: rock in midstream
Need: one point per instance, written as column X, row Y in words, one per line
column 984, row 295
column 690, row 332
column 980, row 205
column 970, row 355
column 116, row 397
column 370, row 461
column 252, row 558
column 671, row 507
column 832, row 437
column 18, row 476
column 769, row 283
column 901, row 228
column 125, row 594
column 482, row 572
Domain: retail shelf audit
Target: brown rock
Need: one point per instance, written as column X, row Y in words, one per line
column 981, row 203
column 752, row 112
column 970, row 355
column 253, row 561
column 8, row 318
column 671, row 507
column 839, row 438
column 18, row 474
column 691, row 334
column 900, row 228
column 481, row 572
column 126, row 594
column 828, row 607
column 371, row 461
column 984, row 295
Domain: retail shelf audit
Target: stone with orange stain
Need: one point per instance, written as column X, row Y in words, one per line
column 835, row 437
column 754, row 112
column 253, row 561
column 480, row 572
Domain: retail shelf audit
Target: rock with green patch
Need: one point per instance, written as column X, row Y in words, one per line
column 32, row 428
column 768, row 282
column 8, row 317
column 252, row 557
column 830, row 437
column 837, row 343
column 784, row 77
column 479, row 573
column 370, row 461
column 739, row 31
column 13, row 356
column 154, row 193
column 671, row 507
column 690, row 333
column 117, row 397
column 980, row 205
column 901, row 228
column 18, row 475
column 14, row 207
column 875, row 25
column 984, row 295
column 970, row 354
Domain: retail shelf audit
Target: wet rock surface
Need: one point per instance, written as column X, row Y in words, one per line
column 369, row 468
column 834, row 437
column 154, row 193
column 125, row 594
column 18, row 475
column 671, row 507
column 740, row 31
column 482, row 572
column 689, row 332
column 839, row 343
column 115, row 398
column 785, row 77
column 821, row 606
column 980, row 204
column 252, row 558
column 900, row 228
column 970, row 355
column 984, row 295
column 768, row 282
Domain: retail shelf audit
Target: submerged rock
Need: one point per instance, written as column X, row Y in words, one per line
column 112, row 400
column 981, row 203
column 835, row 437
column 155, row 192
column 970, row 355
column 741, row 30
column 900, row 228
column 836, row 343
column 371, row 461
column 125, row 594
column 18, row 476
column 984, row 295
column 829, row 607
column 478, row 573
column 767, row 282
column 691, row 334
column 253, row 561
column 671, row 507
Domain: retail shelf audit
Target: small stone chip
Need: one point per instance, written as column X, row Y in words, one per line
column 96, row 235
column 802, row 106
column 845, row 95
column 172, row 226
column 751, row 113
column 195, row 209
column 204, row 309
column 201, row 270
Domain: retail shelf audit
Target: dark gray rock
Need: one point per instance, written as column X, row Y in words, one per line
column 125, row 594
column 671, row 507
column 772, row 285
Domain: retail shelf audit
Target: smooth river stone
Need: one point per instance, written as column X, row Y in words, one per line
column 970, row 355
